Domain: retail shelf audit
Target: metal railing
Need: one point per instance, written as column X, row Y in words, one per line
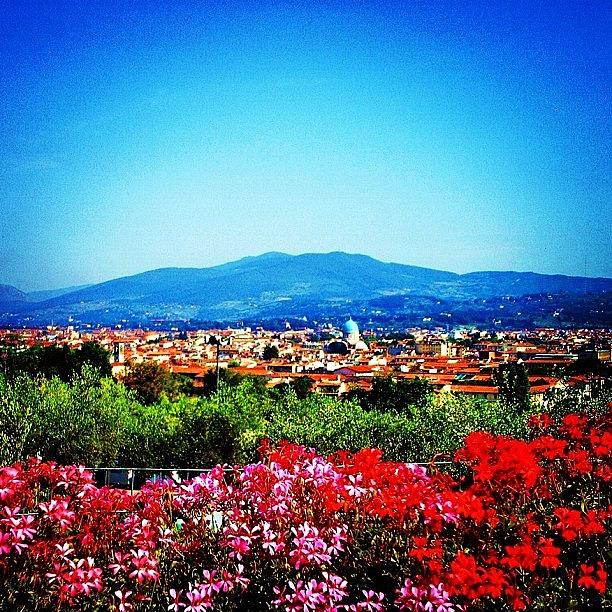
column 133, row 478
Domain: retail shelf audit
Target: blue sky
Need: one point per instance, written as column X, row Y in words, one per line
column 456, row 135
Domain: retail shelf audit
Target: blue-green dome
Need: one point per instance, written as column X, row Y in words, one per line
column 350, row 327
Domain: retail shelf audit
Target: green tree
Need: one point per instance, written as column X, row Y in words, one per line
column 270, row 352
column 301, row 386
column 387, row 394
column 206, row 436
column 149, row 436
column 80, row 422
column 227, row 377
column 513, row 383
column 93, row 355
column 56, row 360
column 19, row 399
column 150, row 381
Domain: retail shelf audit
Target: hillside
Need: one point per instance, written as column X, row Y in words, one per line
column 9, row 296
column 276, row 284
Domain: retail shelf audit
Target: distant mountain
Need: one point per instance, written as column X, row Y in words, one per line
column 277, row 285
column 264, row 278
column 10, row 295
column 483, row 284
column 47, row 294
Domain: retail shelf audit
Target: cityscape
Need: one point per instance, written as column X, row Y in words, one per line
column 337, row 360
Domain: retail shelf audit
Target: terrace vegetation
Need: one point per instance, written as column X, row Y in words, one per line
column 62, row 405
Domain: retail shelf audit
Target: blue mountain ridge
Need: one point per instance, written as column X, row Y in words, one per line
column 277, row 282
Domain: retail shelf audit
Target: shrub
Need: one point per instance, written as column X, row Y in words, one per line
column 77, row 422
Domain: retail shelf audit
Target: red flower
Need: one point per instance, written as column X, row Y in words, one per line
column 549, row 554
column 493, row 582
column 521, row 556
column 601, row 443
column 573, row 425
column 579, row 462
column 540, row 421
column 549, row 447
column 592, row 524
column 592, row 578
column 516, row 598
column 570, row 523
column 465, row 576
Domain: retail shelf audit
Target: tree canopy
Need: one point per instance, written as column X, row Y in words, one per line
column 55, row 360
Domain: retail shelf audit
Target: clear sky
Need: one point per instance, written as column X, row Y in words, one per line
column 456, row 135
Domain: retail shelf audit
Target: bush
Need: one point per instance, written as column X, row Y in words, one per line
column 56, row 361
column 205, row 437
column 96, row 421
column 77, row 422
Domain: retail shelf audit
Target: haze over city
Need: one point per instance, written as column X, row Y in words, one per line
column 458, row 136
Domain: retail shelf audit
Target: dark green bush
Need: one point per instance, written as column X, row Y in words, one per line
column 96, row 421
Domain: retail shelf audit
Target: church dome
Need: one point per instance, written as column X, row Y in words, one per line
column 350, row 327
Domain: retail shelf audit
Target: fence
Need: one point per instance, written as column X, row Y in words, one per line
column 134, row 477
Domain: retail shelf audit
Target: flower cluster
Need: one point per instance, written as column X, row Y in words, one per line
column 524, row 526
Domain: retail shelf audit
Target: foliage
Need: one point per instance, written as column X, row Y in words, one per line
column 18, row 402
column 79, row 421
column 588, row 364
column 150, row 381
column 513, row 383
column 96, row 421
column 149, row 434
column 56, row 361
column 226, row 376
column 594, row 400
column 388, row 394
column 205, row 438
column 301, row 386
column 270, row 352
column 329, row 425
column 526, row 528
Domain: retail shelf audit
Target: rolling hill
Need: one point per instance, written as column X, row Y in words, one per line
column 277, row 284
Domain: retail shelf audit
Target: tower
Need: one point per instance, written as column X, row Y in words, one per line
column 118, row 352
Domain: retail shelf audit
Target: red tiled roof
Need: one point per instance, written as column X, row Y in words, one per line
column 474, row 389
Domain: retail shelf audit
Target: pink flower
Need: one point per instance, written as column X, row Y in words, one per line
column 310, row 548
column 239, row 579
column 175, row 603
column 433, row 598
column 145, row 568
column 198, row 600
column 6, row 543
column 338, row 537
column 335, row 586
column 210, row 584
column 57, row 512
column 352, row 487
column 82, row 577
column 64, row 550
column 371, row 603
column 122, row 596
column 122, row 564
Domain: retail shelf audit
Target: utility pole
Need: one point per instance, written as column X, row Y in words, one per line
column 217, row 342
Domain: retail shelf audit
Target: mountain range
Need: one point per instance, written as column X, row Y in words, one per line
column 277, row 285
